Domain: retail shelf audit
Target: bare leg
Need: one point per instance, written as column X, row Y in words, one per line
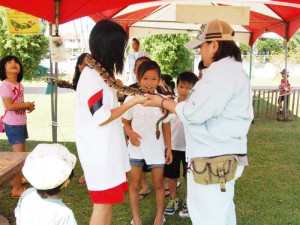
column 145, row 187
column 157, row 179
column 102, row 214
column 172, row 187
column 135, row 181
column 16, row 183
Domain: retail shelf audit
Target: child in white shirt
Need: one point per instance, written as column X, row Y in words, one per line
column 139, row 124
column 185, row 82
column 49, row 169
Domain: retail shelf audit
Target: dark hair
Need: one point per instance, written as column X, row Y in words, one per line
column 201, row 65
column 142, row 58
column 6, row 59
column 53, row 191
column 107, row 44
column 169, row 80
column 187, row 77
column 136, row 40
column 146, row 66
column 77, row 71
column 227, row 48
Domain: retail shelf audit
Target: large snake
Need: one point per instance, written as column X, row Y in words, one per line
column 111, row 81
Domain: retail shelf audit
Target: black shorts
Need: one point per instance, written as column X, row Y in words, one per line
column 146, row 168
column 282, row 98
column 173, row 170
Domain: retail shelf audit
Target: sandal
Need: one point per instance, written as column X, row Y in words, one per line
column 143, row 195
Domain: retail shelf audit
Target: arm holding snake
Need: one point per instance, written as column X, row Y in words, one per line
column 118, row 111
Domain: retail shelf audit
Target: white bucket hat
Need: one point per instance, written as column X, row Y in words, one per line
column 213, row 30
column 48, row 166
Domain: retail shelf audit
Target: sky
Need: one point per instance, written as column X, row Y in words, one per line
column 82, row 26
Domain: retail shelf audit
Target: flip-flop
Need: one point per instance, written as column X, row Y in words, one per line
column 17, row 196
column 143, row 195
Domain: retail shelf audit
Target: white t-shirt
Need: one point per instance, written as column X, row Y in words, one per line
column 177, row 133
column 143, row 121
column 101, row 149
column 34, row 210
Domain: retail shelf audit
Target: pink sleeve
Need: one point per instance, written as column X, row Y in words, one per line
column 6, row 90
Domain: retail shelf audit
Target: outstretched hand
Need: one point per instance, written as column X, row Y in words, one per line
column 140, row 99
column 152, row 100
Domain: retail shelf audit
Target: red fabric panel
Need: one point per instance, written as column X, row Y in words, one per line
column 105, row 14
column 69, row 9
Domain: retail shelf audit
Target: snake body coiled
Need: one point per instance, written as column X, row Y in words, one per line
column 111, row 81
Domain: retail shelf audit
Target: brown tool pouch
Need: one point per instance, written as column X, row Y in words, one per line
column 214, row 170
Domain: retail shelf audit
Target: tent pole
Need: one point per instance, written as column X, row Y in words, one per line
column 54, row 81
column 285, row 105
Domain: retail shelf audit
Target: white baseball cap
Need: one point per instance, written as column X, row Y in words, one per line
column 213, row 30
column 48, row 166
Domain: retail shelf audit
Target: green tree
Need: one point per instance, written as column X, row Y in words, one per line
column 30, row 49
column 294, row 48
column 267, row 46
column 169, row 52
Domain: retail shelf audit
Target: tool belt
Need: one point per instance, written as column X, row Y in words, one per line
column 214, row 170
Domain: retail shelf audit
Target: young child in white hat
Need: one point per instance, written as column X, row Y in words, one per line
column 49, row 169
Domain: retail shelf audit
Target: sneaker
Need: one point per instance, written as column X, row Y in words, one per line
column 171, row 207
column 184, row 213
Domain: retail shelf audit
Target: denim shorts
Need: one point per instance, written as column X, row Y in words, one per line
column 142, row 162
column 16, row 134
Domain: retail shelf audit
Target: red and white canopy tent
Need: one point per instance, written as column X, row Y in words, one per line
column 150, row 18
column 279, row 16
column 282, row 18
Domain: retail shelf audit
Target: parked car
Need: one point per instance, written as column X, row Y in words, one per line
column 42, row 69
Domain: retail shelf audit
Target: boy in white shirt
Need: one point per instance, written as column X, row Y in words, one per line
column 49, row 169
column 185, row 83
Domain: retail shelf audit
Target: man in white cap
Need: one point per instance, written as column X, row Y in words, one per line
column 216, row 118
column 48, row 168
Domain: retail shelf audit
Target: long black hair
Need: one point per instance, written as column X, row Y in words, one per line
column 77, row 71
column 6, row 59
column 228, row 48
column 108, row 41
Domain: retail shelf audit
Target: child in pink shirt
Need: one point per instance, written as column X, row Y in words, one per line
column 14, row 118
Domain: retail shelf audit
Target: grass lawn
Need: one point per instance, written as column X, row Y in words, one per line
column 267, row 193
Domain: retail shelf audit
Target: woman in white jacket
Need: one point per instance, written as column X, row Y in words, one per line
column 216, row 117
